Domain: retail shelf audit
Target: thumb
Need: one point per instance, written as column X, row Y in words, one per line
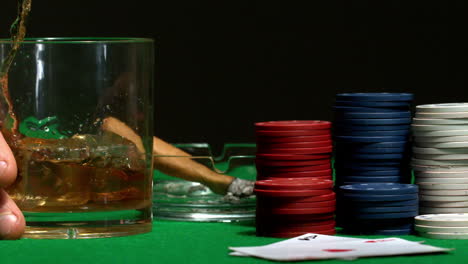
column 11, row 219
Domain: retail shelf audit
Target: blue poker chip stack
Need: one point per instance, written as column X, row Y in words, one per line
column 377, row 208
column 371, row 133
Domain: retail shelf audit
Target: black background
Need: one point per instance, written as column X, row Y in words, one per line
column 223, row 65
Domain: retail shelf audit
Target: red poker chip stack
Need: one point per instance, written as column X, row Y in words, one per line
column 289, row 207
column 293, row 149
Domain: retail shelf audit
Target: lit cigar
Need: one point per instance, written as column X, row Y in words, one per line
column 181, row 167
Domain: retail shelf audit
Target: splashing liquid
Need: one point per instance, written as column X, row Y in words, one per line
column 9, row 122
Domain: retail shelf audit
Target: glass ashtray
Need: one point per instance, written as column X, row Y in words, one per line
column 182, row 200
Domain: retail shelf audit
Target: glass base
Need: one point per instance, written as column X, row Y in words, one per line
column 87, row 225
column 85, row 232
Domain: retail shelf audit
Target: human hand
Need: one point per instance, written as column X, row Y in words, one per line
column 12, row 221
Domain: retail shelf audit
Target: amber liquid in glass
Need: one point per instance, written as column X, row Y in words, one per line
column 80, row 176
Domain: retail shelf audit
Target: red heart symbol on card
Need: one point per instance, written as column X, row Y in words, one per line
column 331, row 250
column 378, row 241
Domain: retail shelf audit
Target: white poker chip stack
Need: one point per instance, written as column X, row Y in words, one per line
column 442, row 226
column 440, row 157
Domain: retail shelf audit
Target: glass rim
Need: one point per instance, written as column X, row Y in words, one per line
column 80, row 40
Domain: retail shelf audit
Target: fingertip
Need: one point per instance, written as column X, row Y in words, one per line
column 17, row 228
column 8, row 171
column 12, row 222
column 10, row 226
column 8, row 168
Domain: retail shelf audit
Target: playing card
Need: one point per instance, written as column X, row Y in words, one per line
column 306, row 248
column 300, row 240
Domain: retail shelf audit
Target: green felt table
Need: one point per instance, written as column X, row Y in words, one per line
column 186, row 242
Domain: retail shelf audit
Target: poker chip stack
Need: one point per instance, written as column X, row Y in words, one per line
column 294, row 186
column 440, row 157
column 293, row 149
column 442, row 226
column 378, row 208
column 289, row 207
column 371, row 132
